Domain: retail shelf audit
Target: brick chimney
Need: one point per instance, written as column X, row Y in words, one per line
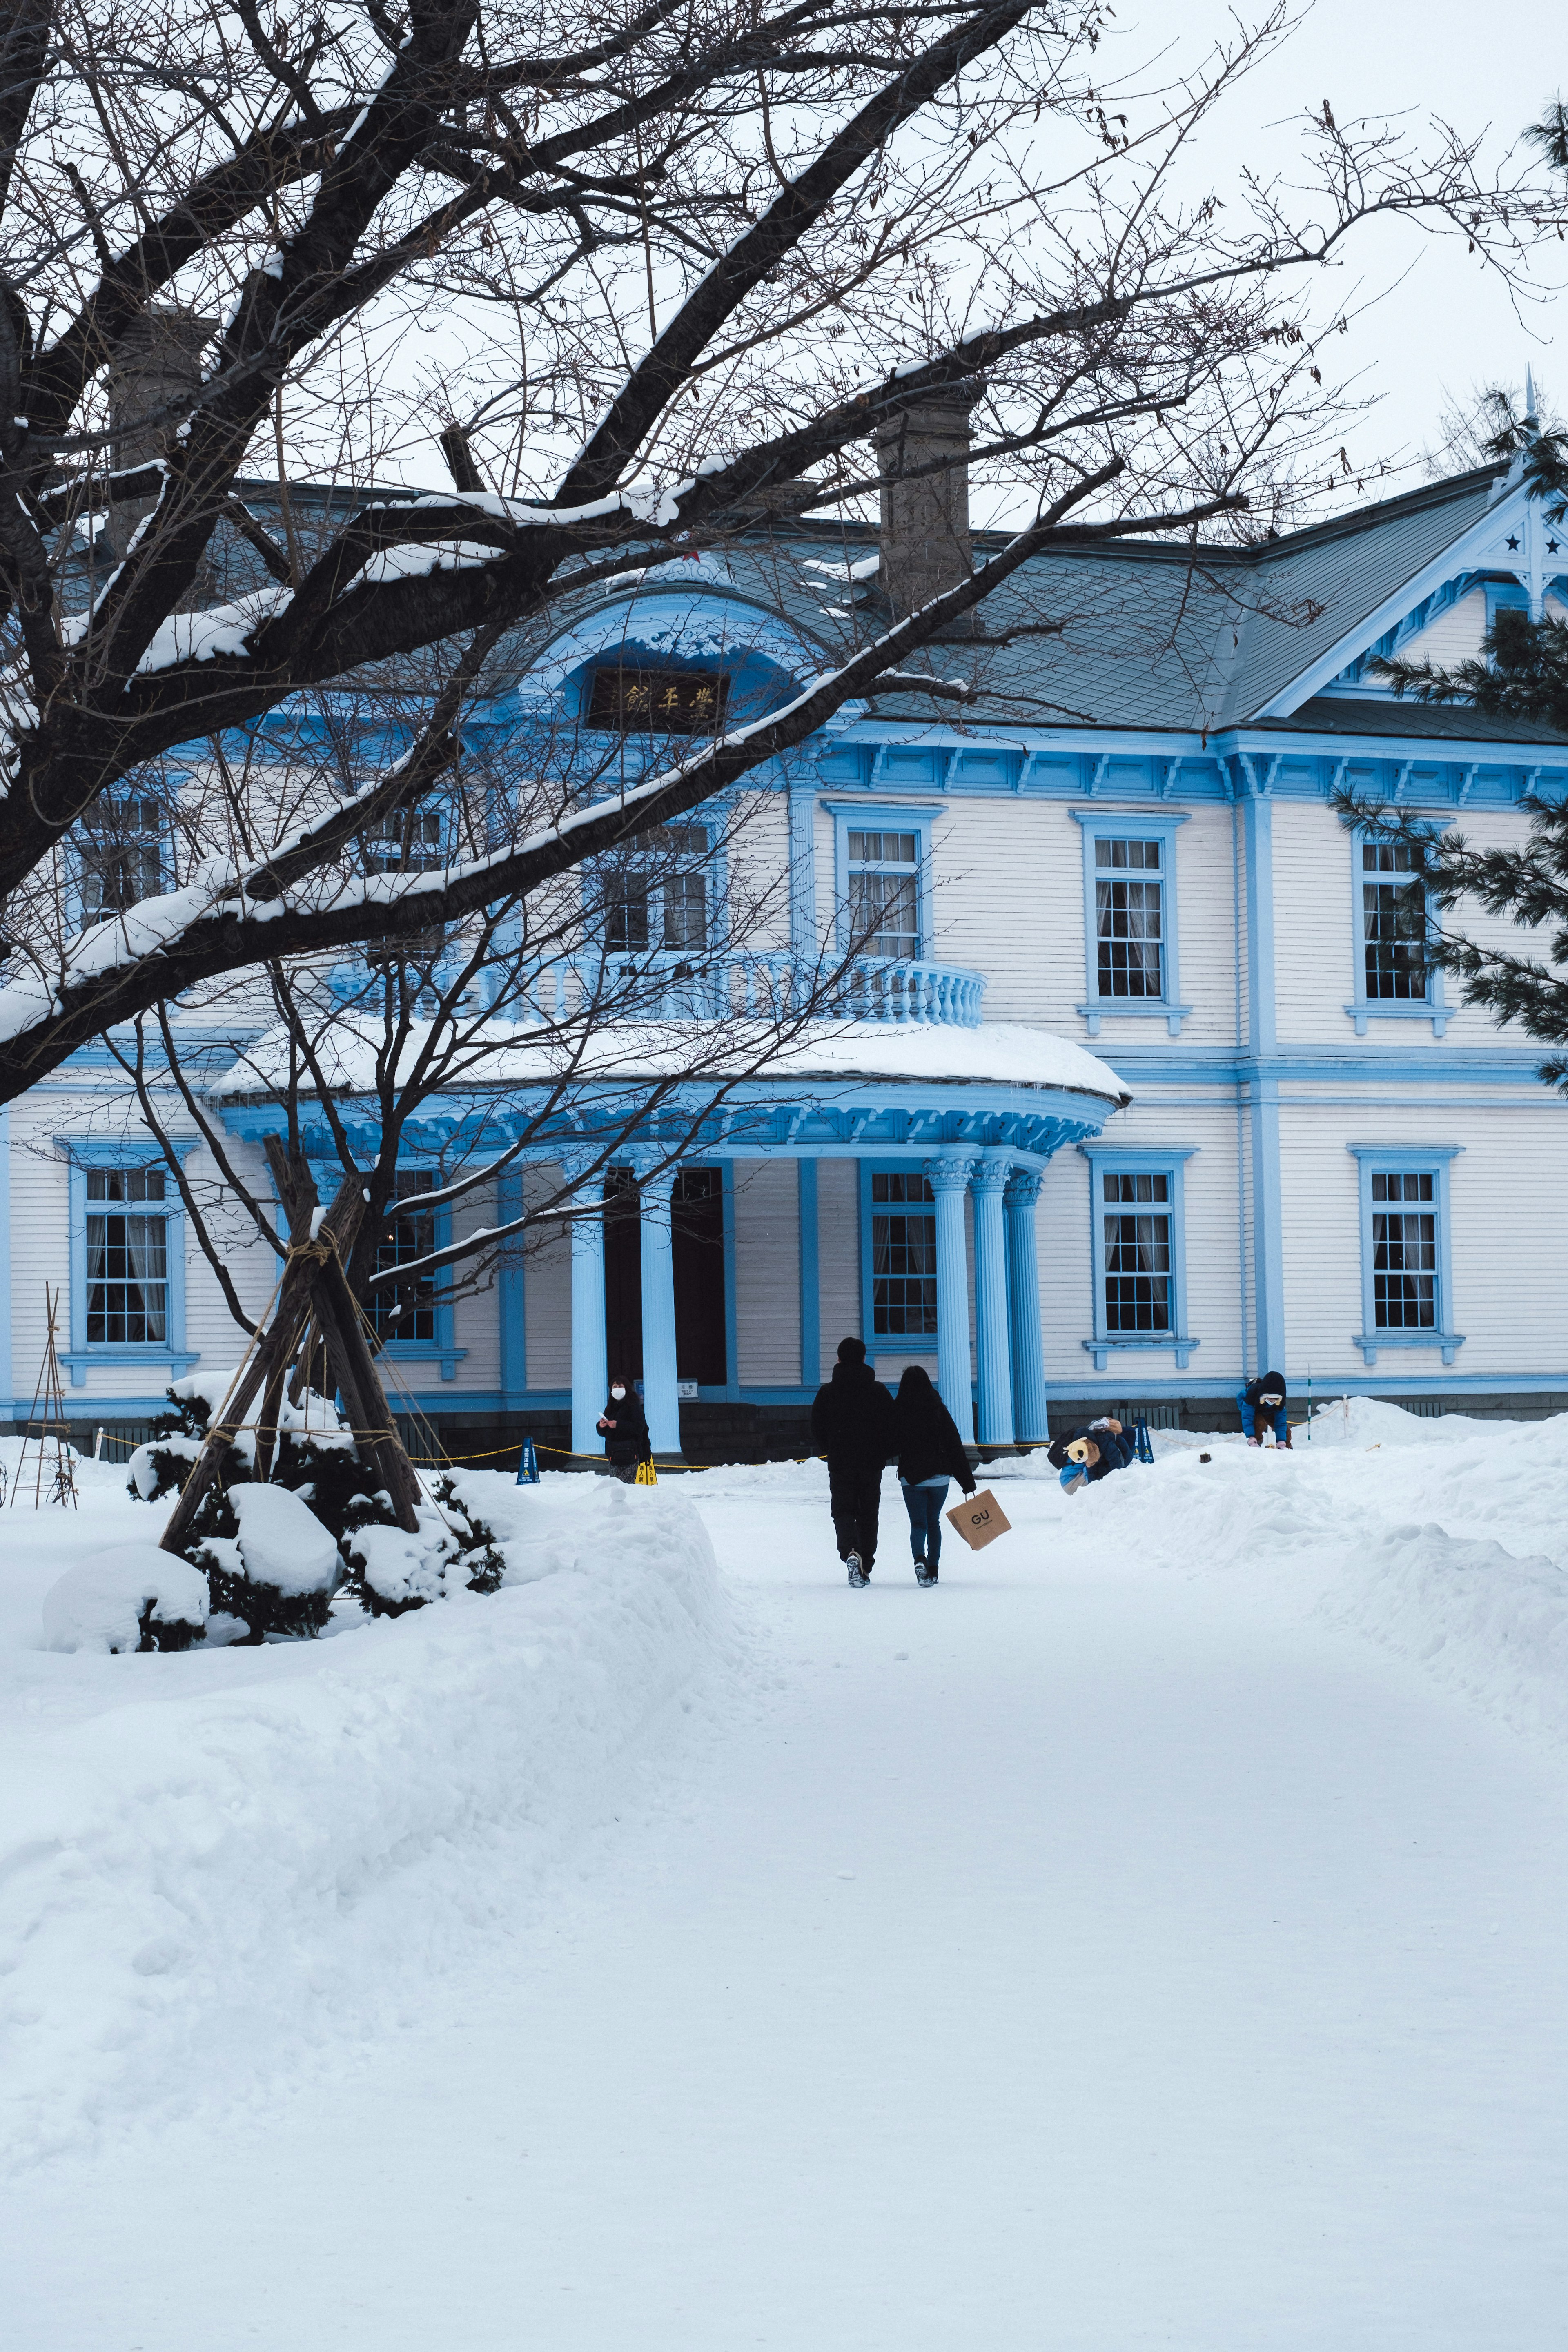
column 157, row 365
column 925, row 522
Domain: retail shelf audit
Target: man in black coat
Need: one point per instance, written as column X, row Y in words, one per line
column 852, row 1423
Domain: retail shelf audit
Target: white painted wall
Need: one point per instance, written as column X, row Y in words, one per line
column 767, row 1273
column 837, row 1255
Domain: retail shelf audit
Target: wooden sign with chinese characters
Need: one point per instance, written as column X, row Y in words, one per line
column 658, row 701
column 979, row 1519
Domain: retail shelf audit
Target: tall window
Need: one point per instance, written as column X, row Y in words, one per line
column 1393, row 923
column 1403, row 1251
column 1130, row 926
column 904, row 1257
column 412, row 845
column 884, row 892
column 407, row 1311
column 657, row 897
column 122, row 858
column 127, row 1257
column 1137, row 1250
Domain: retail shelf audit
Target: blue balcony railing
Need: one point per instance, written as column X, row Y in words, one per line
column 669, row 986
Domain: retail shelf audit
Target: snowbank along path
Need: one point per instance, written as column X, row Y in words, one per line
column 1152, row 1938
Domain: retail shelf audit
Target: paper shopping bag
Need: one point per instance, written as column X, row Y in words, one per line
column 979, row 1519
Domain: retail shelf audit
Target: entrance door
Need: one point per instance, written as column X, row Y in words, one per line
column 697, row 1233
column 622, row 1274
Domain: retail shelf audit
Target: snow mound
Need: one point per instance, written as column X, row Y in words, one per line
column 1486, row 1622
column 131, row 1597
column 281, row 1541
column 278, row 1857
column 1368, row 1421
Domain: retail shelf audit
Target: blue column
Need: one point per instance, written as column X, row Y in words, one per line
column 810, row 1279
column 590, row 1372
column 994, row 1382
column 1268, row 1217
column 949, row 1182
column 1029, row 1421
column 660, row 1382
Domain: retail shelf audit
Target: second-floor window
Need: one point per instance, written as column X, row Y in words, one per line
column 658, row 898
column 127, row 1257
column 412, row 845
column 904, row 1257
column 884, row 892
column 1137, row 1250
column 1403, row 1250
column 1393, row 923
column 120, row 850
column 402, row 1311
column 1130, row 918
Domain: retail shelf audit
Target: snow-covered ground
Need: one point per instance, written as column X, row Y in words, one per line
column 1157, row 1936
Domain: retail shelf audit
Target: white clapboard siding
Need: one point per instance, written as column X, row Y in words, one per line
column 767, row 1273
column 1512, row 1306
column 1454, row 636
column 476, row 1320
column 754, row 914
column 837, row 1255
column 547, row 1287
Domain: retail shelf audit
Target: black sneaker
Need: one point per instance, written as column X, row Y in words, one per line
column 924, row 1572
column 859, row 1574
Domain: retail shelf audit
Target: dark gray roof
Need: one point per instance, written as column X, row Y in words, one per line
column 1355, row 714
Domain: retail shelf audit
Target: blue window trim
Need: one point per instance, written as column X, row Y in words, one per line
column 76, row 909
column 1363, row 1008
column 922, row 1343
column 1406, row 1158
column 85, row 1152
column 1140, row 1159
column 1133, row 825
column 713, row 819
column 328, row 1175
column 882, row 816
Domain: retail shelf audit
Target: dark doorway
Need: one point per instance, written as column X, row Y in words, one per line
column 697, row 1229
column 622, row 1274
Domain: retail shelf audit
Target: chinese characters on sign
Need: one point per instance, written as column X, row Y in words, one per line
column 658, row 701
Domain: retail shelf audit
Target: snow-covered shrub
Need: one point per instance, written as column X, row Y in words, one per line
column 391, row 1570
column 316, row 1460
column 281, row 1568
column 131, row 1597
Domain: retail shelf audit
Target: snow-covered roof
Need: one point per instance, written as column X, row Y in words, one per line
column 1002, row 1054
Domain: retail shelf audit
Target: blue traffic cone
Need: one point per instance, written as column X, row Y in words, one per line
column 1143, row 1442
column 528, row 1465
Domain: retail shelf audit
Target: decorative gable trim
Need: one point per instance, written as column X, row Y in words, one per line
column 1514, row 537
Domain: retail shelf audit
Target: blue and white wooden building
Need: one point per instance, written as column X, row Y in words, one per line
column 1146, row 1086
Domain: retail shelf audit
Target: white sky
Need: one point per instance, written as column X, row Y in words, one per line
column 1446, row 325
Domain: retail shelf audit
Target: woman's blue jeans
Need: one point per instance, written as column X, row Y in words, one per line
column 923, row 1504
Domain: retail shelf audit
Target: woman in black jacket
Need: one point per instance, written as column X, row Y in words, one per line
column 625, row 1426
column 931, row 1451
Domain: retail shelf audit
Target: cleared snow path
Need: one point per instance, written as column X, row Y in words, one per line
column 1101, row 1952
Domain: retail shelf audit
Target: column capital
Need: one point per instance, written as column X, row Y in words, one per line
column 990, row 1175
column 644, row 1161
column 1024, row 1187
column 951, row 1172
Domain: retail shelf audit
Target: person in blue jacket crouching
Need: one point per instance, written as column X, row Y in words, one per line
column 1089, row 1454
column 1262, row 1402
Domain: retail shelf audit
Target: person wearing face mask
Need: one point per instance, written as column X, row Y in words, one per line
column 1262, row 1404
column 625, row 1426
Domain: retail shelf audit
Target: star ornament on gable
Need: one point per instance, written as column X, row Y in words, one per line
column 1552, row 547
column 1513, row 545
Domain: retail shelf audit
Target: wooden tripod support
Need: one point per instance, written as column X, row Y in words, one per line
column 313, row 1298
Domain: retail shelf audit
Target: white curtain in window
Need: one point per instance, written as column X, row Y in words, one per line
column 144, row 1247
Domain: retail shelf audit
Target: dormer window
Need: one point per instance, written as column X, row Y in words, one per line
column 658, row 701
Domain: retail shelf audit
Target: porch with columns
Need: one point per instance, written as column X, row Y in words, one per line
column 996, row 1391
